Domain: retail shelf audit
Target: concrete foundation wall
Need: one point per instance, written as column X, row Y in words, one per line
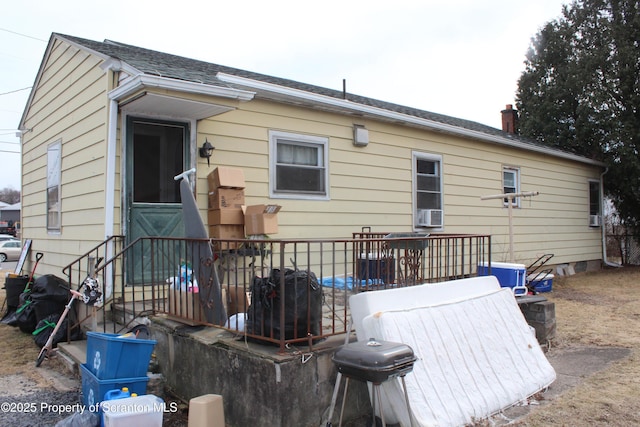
column 258, row 385
column 261, row 387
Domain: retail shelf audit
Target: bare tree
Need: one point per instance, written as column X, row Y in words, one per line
column 9, row 195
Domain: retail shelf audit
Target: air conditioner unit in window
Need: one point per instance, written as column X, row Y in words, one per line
column 594, row 221
column 430, row 217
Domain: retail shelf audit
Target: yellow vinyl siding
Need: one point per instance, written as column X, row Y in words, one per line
column 69, row 104
column 372, row 186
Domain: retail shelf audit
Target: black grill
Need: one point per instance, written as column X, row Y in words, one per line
column 374, row 361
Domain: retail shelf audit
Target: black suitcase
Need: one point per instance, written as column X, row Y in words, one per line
column 374, row 361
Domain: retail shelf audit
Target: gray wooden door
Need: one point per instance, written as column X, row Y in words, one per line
column 156, row 152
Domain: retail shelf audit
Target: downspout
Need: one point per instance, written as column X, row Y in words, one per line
column 112, row 68
column 603, row 228
column 110, row 177
column 109, row 198
column 109, row 202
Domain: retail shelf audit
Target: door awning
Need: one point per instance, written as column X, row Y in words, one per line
column 171, row 106
column 139, row 95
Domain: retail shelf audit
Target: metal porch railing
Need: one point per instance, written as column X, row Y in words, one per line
column 167, row 276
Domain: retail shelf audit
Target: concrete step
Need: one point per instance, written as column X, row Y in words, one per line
column 124, row 314
column 73, row 355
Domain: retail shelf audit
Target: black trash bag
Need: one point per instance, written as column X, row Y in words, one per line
column 24, row 297
column 26, row 317
column 45, row 327
column 302, row 305
column 9, row 318
column 80, row 419
column 50, row 295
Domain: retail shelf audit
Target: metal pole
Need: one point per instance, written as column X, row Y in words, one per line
column 512, row 258
column 510, row 197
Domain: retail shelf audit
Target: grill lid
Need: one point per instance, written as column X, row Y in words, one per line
column 375, row 355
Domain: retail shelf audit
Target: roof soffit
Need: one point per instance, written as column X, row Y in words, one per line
column 170, row 106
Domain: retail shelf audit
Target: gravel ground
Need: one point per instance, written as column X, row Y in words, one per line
column 29, row 401
column 51, row 394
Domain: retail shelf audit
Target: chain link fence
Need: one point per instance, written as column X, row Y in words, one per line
column 623, row 247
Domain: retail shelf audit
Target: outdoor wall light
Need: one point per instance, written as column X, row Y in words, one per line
column 206, row 151
column 360, row 136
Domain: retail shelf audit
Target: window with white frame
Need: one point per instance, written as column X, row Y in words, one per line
column 511, row 184
column 427, row 188
column 298, row 166
column 54, row 160
column 595, row 211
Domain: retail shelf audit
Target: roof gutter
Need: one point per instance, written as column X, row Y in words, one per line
column 399, row 117
column 142, row 81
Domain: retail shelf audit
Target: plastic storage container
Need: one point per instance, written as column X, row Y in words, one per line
column 509, row 275
column 14, row 286
column 374, row 268
column 110, row 356
column 139, row 411
column 94, row 389
column 119, row 393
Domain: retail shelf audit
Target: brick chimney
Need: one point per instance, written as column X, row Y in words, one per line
column 509, row 119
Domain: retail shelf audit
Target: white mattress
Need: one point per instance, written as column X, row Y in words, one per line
column 476, row 354
column 365, row 303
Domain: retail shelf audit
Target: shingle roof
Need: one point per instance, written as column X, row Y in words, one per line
column 177, row 67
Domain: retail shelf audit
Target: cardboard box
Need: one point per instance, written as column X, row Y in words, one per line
column 238, row 299
column 226, row 177
column 226, row 198
column 226, row 231
column 186, row 305
column 225, row 216
column 261, row 219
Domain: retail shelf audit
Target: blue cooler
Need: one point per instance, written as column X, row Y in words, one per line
column 508, row 275
column 541, row 282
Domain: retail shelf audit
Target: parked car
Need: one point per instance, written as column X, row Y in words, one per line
column 4, row 237
column 10, row 250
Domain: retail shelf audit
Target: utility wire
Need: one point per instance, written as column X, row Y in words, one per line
column 14, row 91
column 7, row 151
column 23, row 35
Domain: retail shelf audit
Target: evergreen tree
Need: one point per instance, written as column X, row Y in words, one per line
column 580, row 92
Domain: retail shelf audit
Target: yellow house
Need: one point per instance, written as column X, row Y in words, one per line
column 108, row 125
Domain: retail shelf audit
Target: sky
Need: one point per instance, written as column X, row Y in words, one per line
column 461, row 58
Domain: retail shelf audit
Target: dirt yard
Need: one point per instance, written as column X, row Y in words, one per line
column 597, row 309
column 600, row 309
column 23, row 385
